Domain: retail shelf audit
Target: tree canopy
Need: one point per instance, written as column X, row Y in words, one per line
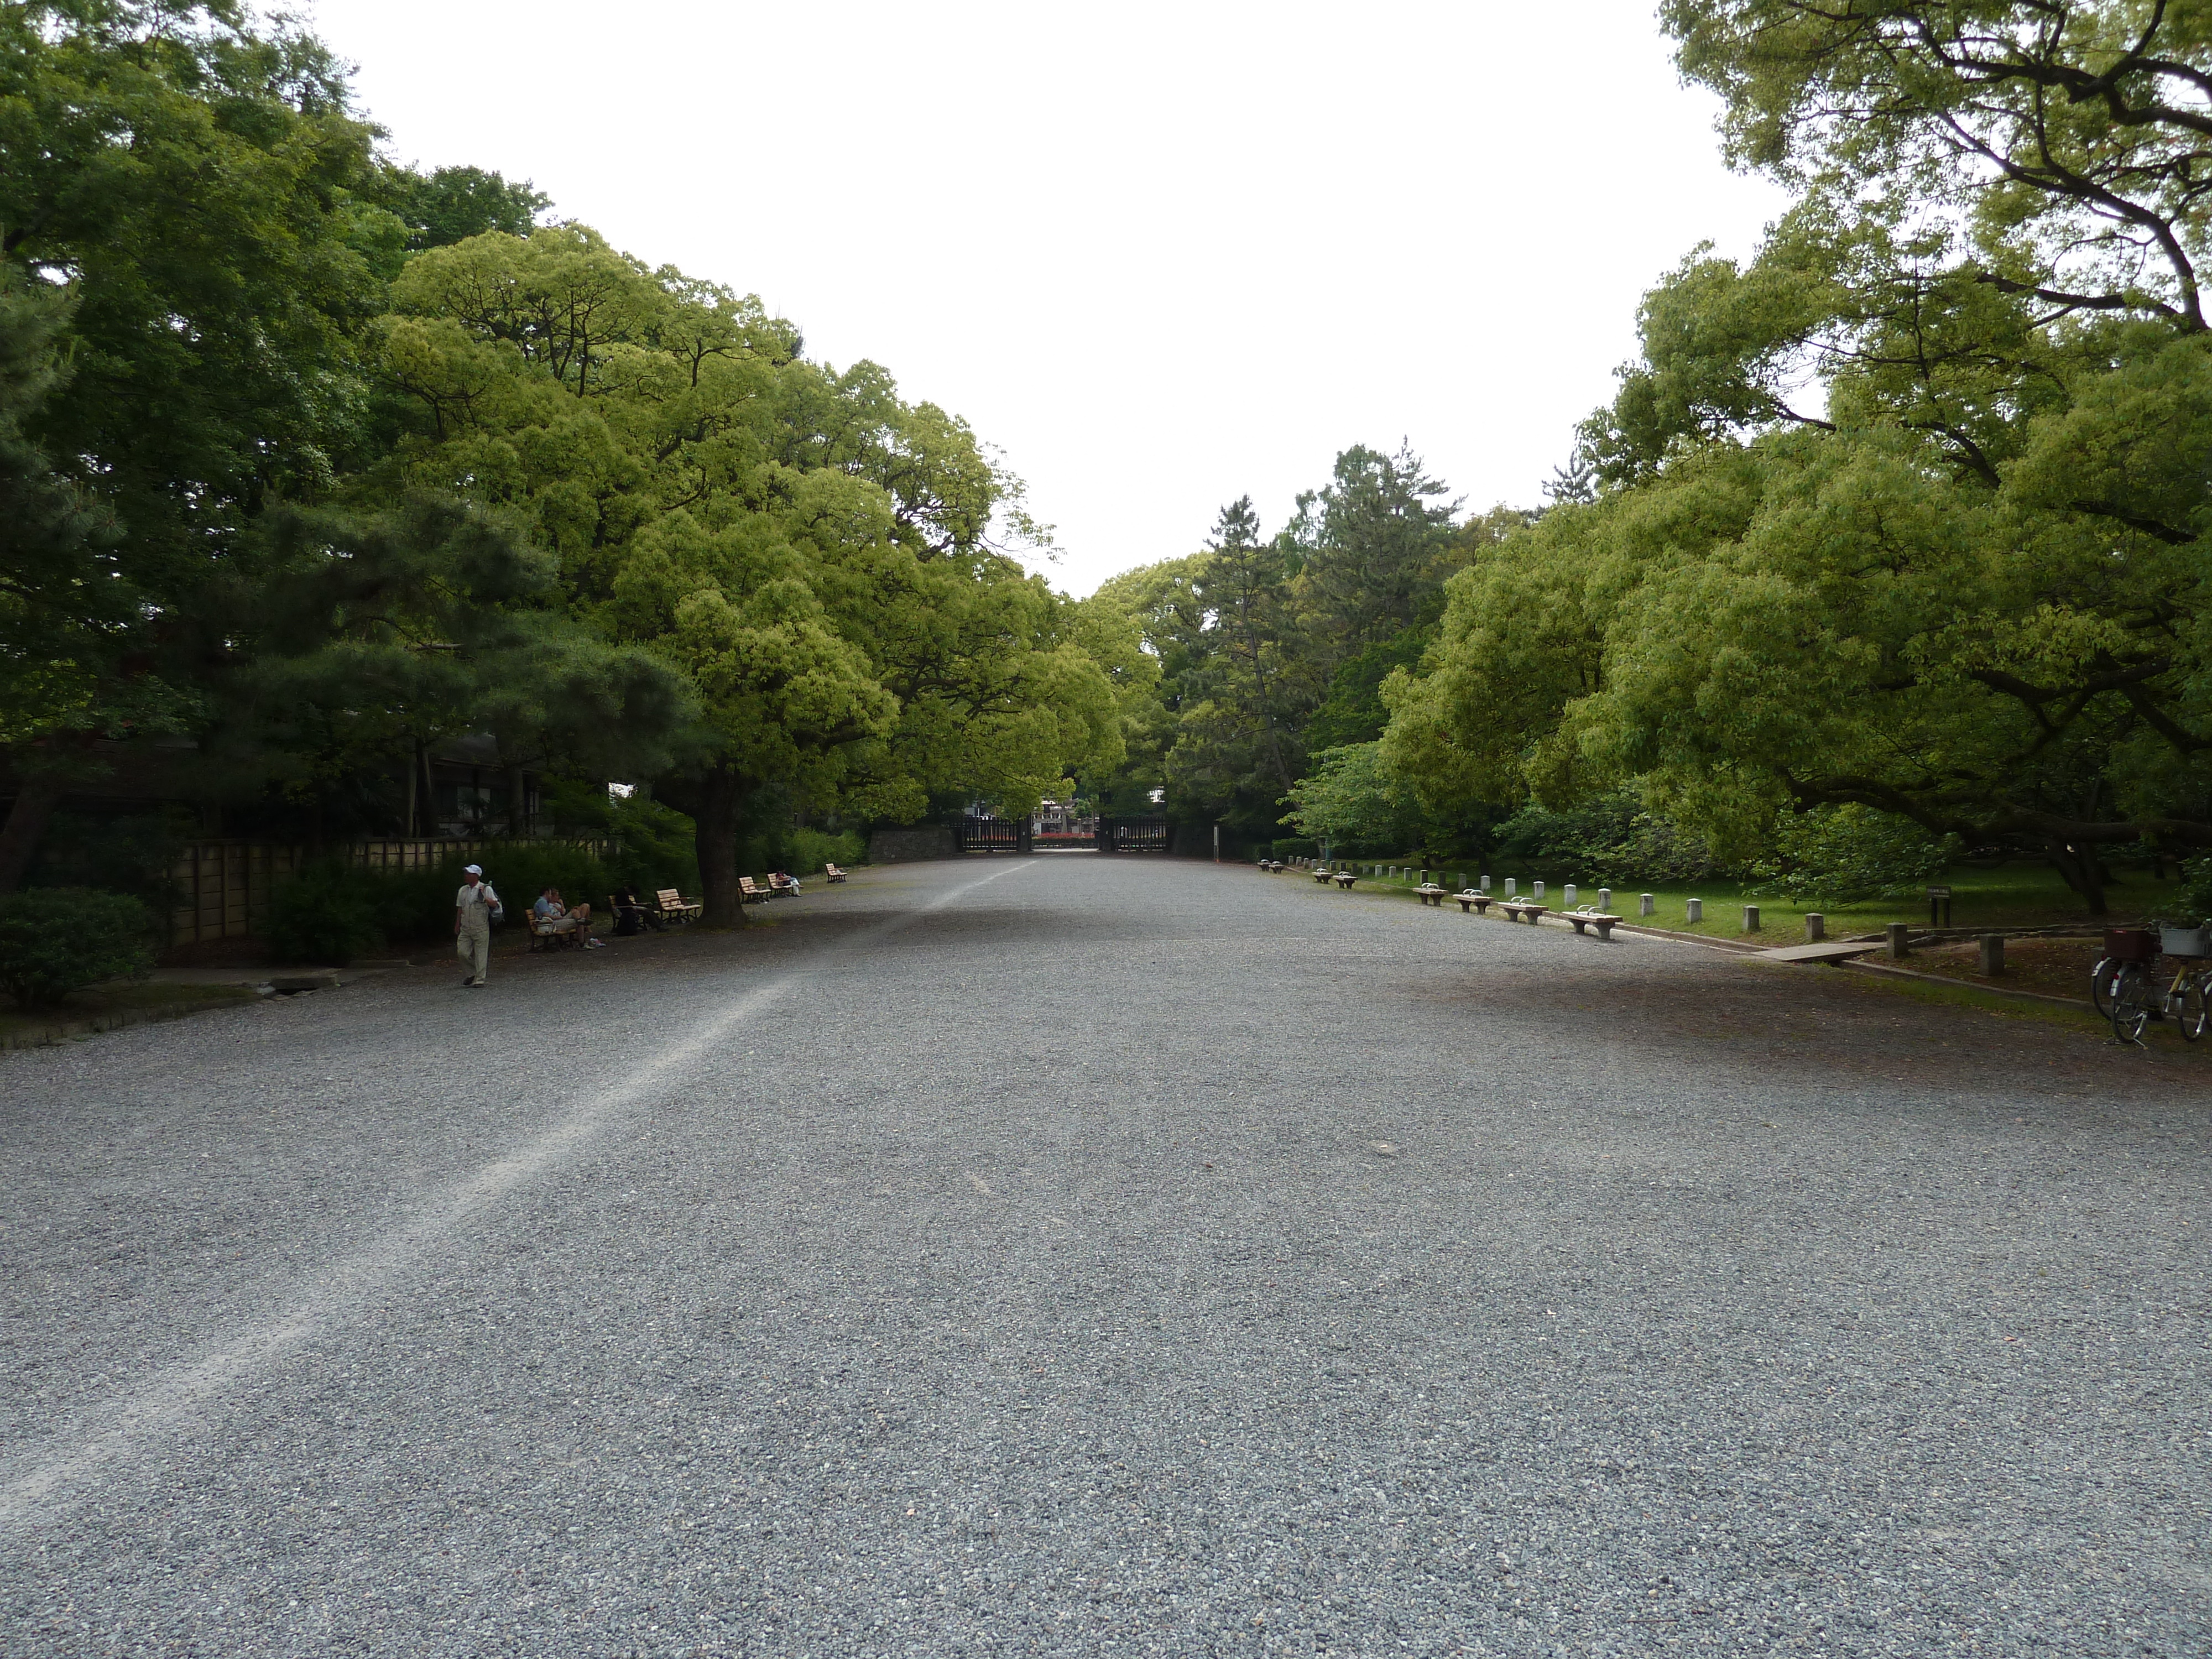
column 309, row 460
column 1906, row 512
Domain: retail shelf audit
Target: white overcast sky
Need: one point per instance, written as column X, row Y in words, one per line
column 1161, row 255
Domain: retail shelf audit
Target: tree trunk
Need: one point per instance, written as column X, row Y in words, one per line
column 2079, row 868
column 27, row 824
column 715, row 834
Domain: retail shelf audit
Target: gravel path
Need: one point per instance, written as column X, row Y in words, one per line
column 1077, row 1255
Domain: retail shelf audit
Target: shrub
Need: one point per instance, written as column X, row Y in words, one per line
column 657, row 846
column 1610, row 842
column 2194, row 896
column 329, row 913
column 808, row 850
column 1841, row 854
column 54, row 940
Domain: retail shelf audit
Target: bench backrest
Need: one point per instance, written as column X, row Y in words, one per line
column 668, row 896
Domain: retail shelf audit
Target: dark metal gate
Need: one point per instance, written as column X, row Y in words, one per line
column 991, row 834
column 1132, row 835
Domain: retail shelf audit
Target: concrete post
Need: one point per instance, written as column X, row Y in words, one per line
column 1696, row 909
column 1567, row 894
column 1511, row 886
column 1816, row 928
column 1604, row 899
column 1751, row 918
column 1899, row 940
column 1539, row 889
column 1485, row 884
column 1992, row 954
column 1646, row 904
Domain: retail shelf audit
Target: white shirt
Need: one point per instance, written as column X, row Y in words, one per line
column 480, row 894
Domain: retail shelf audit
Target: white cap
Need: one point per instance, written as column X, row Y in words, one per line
column 472, row 869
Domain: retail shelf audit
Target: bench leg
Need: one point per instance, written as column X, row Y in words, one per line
column 1605, row 932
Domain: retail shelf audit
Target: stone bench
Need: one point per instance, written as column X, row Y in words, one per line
column 1478, row 902
column 1322, row 877
column 1522, row 910
column 1582, row 919
column 1430, row 893
column 1345, row 879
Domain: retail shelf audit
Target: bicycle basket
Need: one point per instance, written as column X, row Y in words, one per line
column 2130, row 944
column 2185, row 941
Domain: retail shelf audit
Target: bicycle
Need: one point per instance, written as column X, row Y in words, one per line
column 2135, row 997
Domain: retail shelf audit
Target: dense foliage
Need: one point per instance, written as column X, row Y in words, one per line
column 310, row 463
column 1271, row 652
column 54, row 940
column 1905, row 514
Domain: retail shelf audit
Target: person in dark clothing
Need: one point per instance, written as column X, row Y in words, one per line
column 631, row 918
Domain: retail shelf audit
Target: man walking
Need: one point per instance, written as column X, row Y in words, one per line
column 472, row 911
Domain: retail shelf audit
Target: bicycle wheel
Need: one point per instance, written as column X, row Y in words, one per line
column 2101, row 985
column 2134, row 995
column 2189, row 1001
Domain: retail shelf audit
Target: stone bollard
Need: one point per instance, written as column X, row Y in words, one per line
column 1539, row 889
column 1646, row 905
column 1992, row 955
column 1816, row 928
column 1485, row 884
column 1511, row 886
column 1694, row 909
column 1567, row 895
column 1900, row 940
column 1459, row 881
column 1751, row 918
column 1604, row 900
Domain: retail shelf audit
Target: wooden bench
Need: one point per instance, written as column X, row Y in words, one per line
column 1429, row 893
column 749, row 894
column 671, row 906
column 614, row 910
column 782, row 887
column 549, row 935
column 1591, row 919
column 1478, row 902
column 831, row 872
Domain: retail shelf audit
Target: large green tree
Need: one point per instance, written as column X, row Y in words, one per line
column 185, row 204
column 1908, row 510
column 813, row 553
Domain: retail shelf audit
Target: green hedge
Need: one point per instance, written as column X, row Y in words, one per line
column 54, row 940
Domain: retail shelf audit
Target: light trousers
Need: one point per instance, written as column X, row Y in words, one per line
column 472, row 945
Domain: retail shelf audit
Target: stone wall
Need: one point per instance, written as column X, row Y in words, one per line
column 925, row 841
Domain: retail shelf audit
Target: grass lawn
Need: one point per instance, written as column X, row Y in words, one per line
column 2009, row 896
column 106, row 1007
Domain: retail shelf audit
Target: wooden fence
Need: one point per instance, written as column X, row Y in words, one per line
column 224, row 886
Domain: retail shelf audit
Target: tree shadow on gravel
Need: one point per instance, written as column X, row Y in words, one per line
column 1766, row 1019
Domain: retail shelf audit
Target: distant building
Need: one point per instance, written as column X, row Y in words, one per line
column 1054, row 818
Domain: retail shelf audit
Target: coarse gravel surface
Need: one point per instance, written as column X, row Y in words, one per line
column 1104, row 1256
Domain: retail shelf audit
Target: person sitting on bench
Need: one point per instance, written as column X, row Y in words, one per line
column 784, row 882
column 554, row 917
column 631, row 918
